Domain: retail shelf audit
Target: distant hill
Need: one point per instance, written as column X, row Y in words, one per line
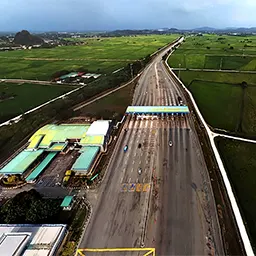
column 205, row 29
column 25, row 38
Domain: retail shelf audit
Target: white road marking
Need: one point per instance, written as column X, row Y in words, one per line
column 129, row 180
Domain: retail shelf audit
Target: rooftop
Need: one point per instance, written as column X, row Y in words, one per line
column 66, row 201
column 33, row 175
column 92, row 140
column 84, row 161
column 59, row 133
column 157, row 109
column 21, row 162
column 99, row 127
column 39, row 239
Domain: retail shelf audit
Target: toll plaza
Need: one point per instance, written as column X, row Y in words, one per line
column 157, row 110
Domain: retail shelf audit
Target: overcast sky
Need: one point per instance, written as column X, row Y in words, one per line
column 49, row 15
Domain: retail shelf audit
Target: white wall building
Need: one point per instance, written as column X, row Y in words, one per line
column 30, row 240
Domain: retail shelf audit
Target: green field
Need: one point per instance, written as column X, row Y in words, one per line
column 111, row 106
column 26, row 96
column 220, row 96
column 216, row 52
column 219, row 103
column 240, row 161
column 97, row 55
column 221, row 77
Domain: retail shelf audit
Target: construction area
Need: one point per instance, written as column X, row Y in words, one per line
column 67, row 147
column 31, row 240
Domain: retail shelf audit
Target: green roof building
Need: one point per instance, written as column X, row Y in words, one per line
column 67, row 203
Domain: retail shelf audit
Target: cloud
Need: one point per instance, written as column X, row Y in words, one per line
column 118, row 14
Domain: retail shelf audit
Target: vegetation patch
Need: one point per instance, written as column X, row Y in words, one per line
column 112, row 106
column 29, row 207
column 240, row 161
column 97, row 55
column 216, row 52
column 219, row 103
column 27, row 96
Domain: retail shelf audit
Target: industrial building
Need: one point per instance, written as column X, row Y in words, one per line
column 50, row 140
column 30, row 240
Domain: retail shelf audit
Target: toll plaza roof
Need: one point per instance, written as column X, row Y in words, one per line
column 21, row 162
column 157, row 110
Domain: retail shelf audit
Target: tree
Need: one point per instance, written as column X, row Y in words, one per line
column 244, row 84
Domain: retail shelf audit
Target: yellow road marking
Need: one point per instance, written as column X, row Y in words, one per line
column 149, row 250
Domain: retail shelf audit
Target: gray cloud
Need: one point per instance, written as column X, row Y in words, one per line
column 117, row 14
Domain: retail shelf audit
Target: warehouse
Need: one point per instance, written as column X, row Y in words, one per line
column 28, row 240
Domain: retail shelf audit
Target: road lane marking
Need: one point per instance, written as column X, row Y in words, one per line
column 146, row 251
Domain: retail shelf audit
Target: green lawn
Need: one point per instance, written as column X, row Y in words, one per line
column 26, row 96
column 240, row 162
column 219, row 103
column 93, row 55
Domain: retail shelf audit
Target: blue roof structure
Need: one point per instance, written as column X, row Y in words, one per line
column 157, row 110
column 33, row 175
column 85, row 160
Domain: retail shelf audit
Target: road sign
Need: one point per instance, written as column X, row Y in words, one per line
column 146, row 187
column 132, row 187
column 124, row 187
column 138, row 187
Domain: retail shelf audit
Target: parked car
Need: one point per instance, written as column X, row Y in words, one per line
column 125, row 148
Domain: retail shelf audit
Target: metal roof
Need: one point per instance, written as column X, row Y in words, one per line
column 21, row 162
column 60, row 133
column 57, row 146
column 157, row 109
column 99, row 127
column 66, row 201
column 13, row 243
column 84, row 161
column 92, row 140
column 33, row 175
column 41, row 239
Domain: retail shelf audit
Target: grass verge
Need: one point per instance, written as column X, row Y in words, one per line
column 239, row 159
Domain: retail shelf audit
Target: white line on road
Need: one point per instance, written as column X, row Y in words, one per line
column 129, row 180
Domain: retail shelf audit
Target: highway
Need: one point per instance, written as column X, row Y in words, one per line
column 170, row 205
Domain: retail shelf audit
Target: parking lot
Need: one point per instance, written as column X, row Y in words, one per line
column 54, row 173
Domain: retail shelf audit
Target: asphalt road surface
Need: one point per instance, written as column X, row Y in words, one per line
column 170, row 205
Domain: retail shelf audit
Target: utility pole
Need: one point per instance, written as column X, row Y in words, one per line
column 131, row 70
